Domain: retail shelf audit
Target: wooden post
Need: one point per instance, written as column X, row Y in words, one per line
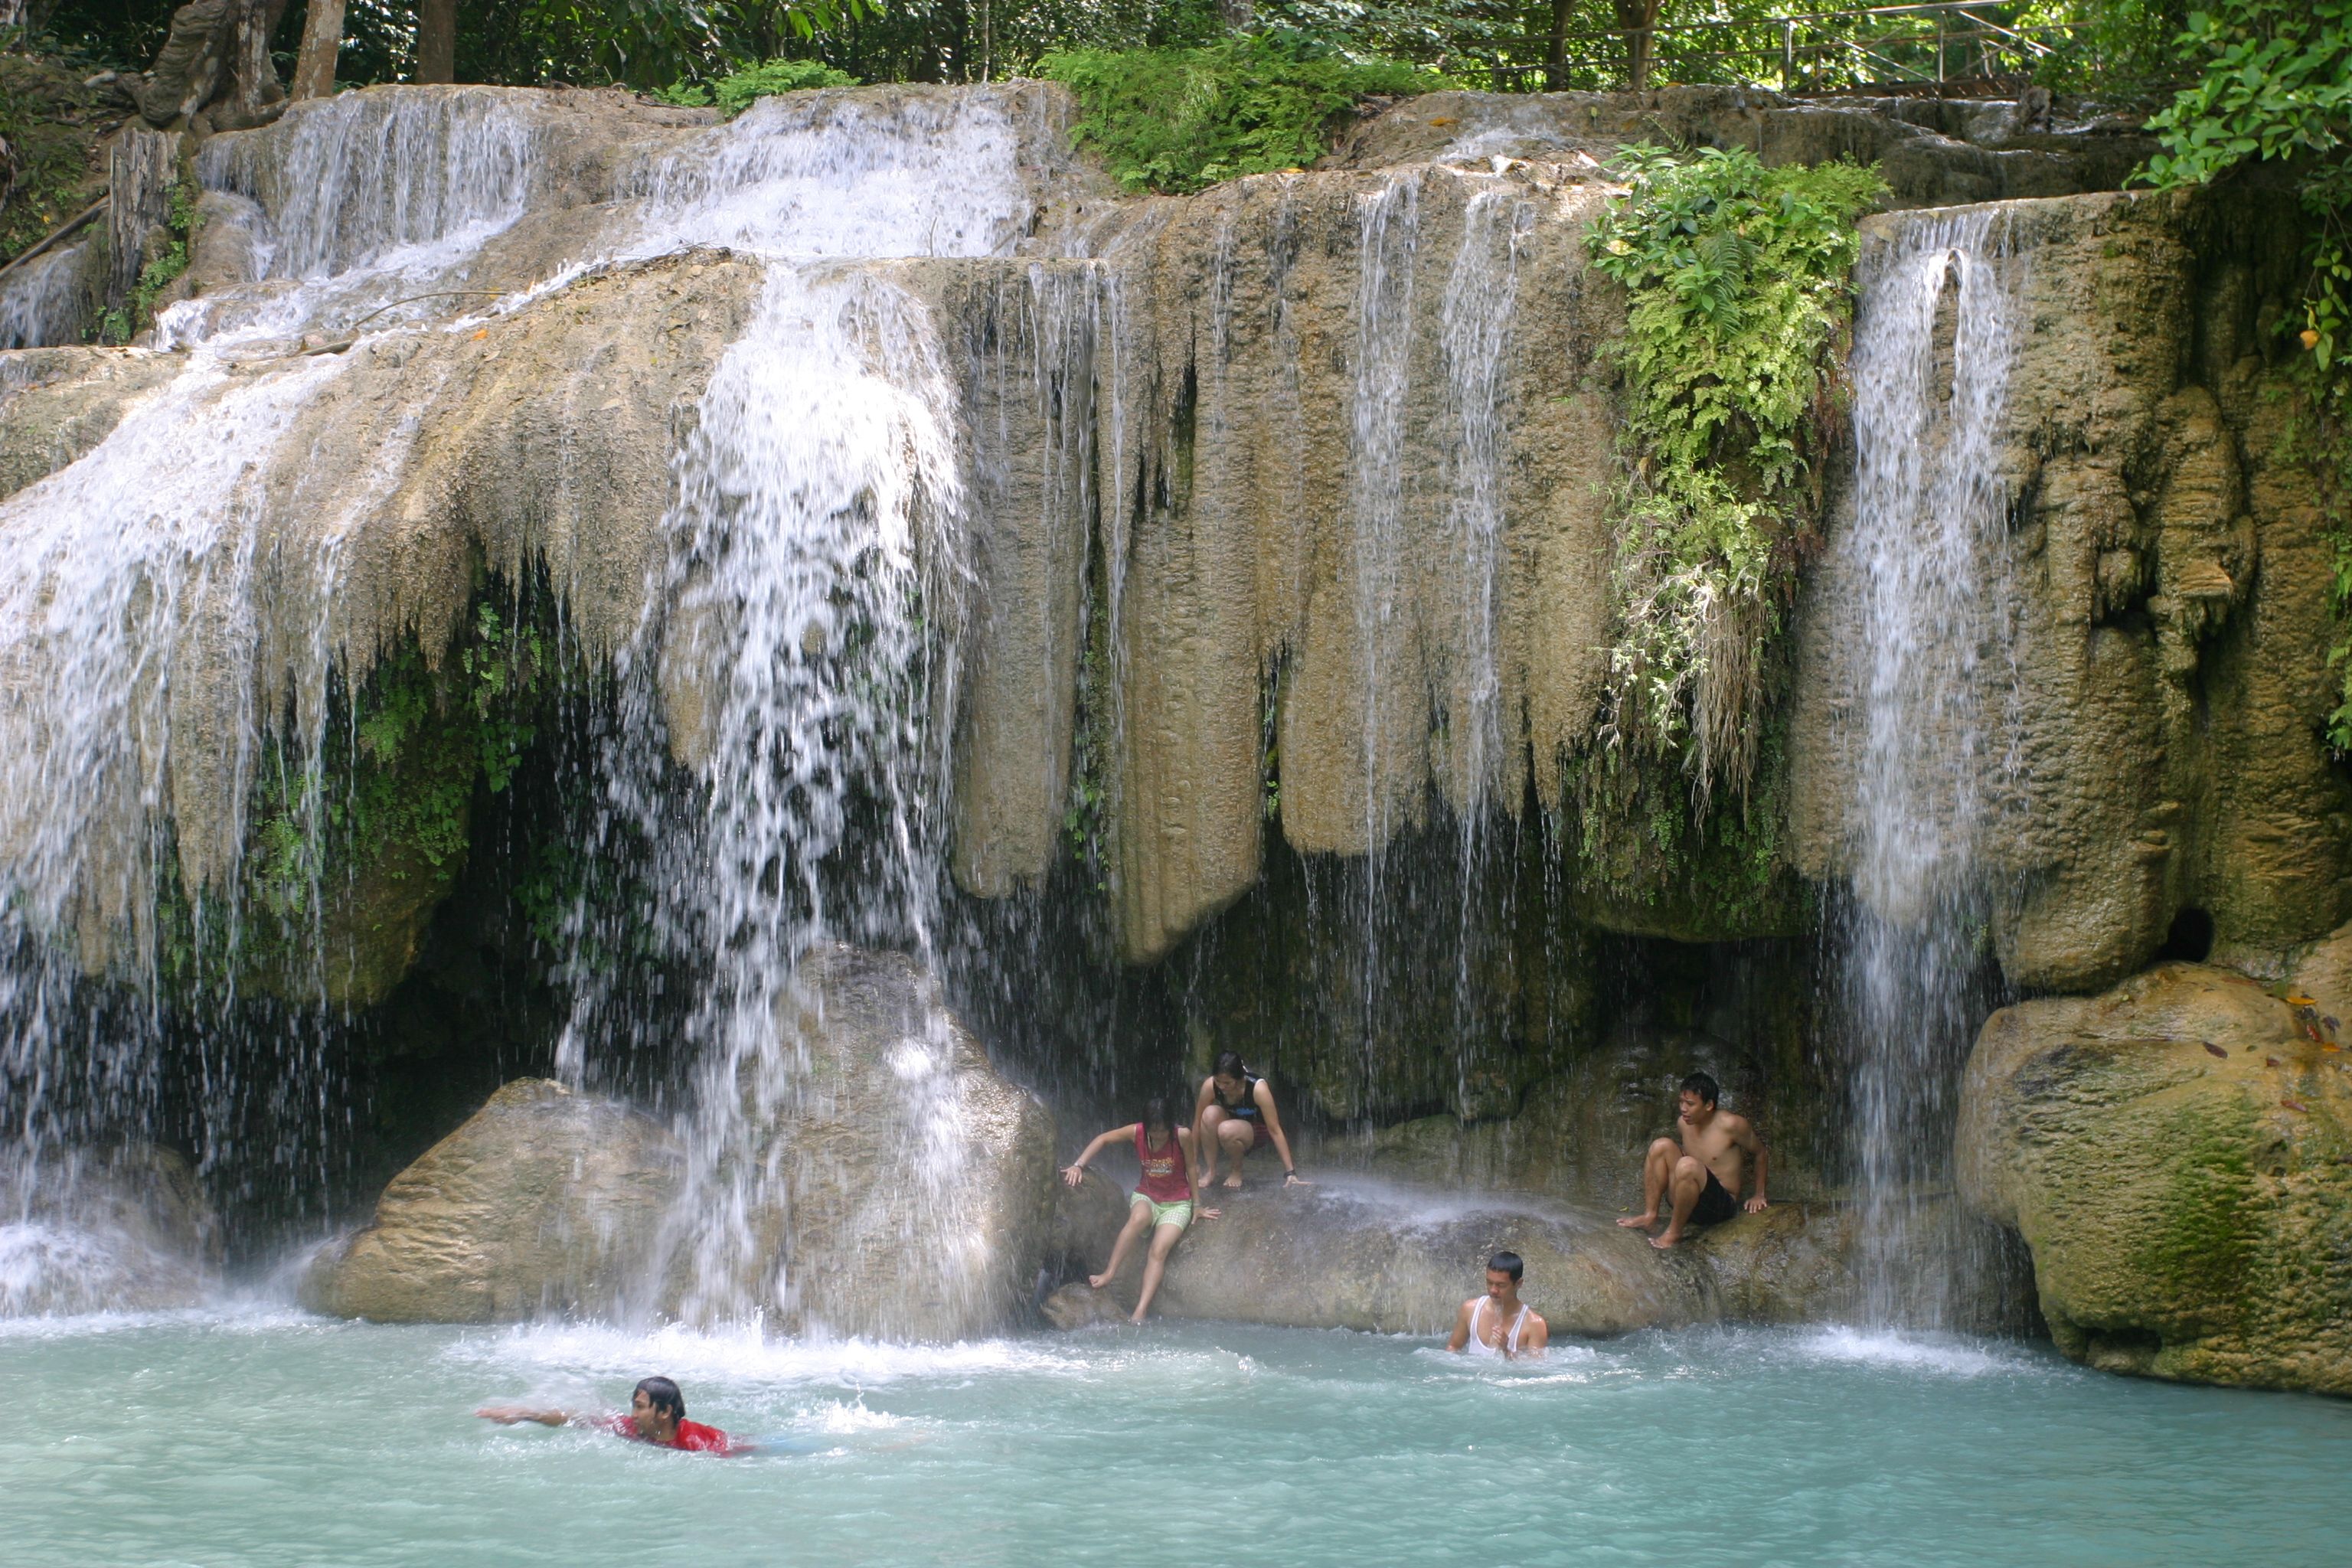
column 322, row 40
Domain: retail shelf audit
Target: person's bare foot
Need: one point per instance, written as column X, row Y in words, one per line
column 1137, row 1319
column 1096, row 1282
column 1663, row 1242
column 1639, row 1221
column 1234, row 1181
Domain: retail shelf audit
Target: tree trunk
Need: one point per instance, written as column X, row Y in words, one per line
column 255, row 95
column 1556, row 60
column 437, row 40
column 1638, row 20
column 140, row 167
column 322, row 40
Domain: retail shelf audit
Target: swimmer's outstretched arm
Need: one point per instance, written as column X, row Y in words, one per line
column 1461, row 1337
column 507, row 1414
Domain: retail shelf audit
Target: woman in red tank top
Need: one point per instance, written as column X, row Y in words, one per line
column 1162, row 1201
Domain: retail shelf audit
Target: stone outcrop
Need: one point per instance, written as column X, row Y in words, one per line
column 2167, row 674
column 1932, row 151
column 1398, row 1260
column 117, row 1229
column 883, row 1179
column 2177, row 1155
column 546, row 1202
column 1370, row 1254
column 904, row 1186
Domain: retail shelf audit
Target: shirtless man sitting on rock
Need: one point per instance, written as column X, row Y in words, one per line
column 1705, row 1174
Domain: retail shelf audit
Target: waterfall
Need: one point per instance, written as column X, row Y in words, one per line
column 1925, row 559
column 808, row 614
column 41, row 301
column 779, row 735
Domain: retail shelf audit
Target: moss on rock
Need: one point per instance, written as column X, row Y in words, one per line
column 2176, row 1154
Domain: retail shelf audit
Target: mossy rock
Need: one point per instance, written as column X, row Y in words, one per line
column 2177, row 1155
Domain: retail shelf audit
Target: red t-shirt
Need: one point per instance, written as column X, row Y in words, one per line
column 692, row 1435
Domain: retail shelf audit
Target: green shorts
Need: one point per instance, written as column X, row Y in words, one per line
column 1179, row 1214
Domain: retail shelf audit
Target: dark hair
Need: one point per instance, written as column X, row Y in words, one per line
column 1230, row 1065
column 1508, row 1262
column 1155, row 1113
column 1706, row 1088
column 663, row 1395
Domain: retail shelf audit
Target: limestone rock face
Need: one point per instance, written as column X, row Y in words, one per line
column 97, row 1230
column 545, row 1202
column 2167, row 677
column 2177, row 1155
column 909, row 1185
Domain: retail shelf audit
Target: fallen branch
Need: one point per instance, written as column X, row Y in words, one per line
column 55, row 235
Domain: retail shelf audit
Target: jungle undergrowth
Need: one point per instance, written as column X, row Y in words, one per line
column 737, row 91
column 1178, row 120
column 1740, row 297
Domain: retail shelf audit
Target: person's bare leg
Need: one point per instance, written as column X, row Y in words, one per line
column 1155, row 1264
column 1138, row 1216
column 1238, row 1138
column 1657, row 1165
column 1204, row 1137
column 1690, row 1180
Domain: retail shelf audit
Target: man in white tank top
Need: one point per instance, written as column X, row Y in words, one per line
column 1499, row 1324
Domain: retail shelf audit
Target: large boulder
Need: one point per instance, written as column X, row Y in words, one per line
column 2177, row 1155
column 1805, row 1263
column 546, row 1201
column 883, row 1178
column 1354, row 1254
column 898, row 1185
column 96, row 1230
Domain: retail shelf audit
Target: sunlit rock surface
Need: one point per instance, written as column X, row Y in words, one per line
column 545, row 1203
column 2177, row 1153
column 2156, row 708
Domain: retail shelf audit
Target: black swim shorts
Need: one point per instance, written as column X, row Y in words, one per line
column 1715, row 1205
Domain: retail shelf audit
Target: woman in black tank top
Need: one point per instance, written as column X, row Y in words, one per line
column 1235, row 1114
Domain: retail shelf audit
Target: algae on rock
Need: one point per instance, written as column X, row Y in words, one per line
column 2177, row 1155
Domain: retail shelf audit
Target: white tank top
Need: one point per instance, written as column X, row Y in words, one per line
column 1510, row 1345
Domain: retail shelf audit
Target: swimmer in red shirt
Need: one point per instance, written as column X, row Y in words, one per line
column 656, row 1416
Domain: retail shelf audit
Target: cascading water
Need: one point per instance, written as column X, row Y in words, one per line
column 1481, row 298
column 41, row 301
column 805, row 616
column 1925, row 559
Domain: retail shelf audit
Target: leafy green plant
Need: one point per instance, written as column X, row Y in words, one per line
column 2274, row 84
column 1178, row 120
column 1739, row 286
column 735, row 92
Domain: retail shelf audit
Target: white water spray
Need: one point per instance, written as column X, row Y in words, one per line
column 1926, row 555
